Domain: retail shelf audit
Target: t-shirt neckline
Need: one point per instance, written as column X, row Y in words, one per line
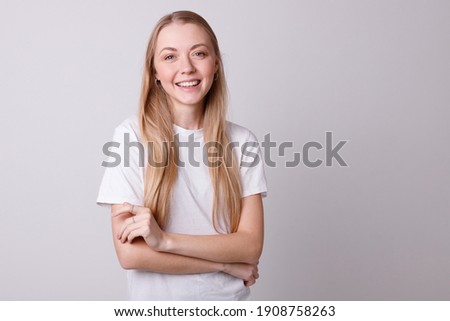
column 186, row 132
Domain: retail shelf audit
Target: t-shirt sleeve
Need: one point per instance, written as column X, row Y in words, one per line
column 253, row 177
column 123, row 179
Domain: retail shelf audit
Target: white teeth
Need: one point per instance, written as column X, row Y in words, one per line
column 188, row 83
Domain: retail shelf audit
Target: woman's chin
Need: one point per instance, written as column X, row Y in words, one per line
column 193, row 103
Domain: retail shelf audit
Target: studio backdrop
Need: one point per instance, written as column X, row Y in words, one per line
column 349, row 100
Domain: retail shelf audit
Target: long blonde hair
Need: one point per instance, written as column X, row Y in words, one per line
column 156, row 125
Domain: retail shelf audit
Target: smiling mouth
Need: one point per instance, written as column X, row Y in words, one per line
column 192, row 83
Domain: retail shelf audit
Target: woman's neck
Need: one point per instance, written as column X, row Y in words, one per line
column 188, row 117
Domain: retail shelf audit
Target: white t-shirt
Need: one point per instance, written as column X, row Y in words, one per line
column 191, row 207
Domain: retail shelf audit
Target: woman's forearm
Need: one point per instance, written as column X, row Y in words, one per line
column 138, row 255
column 244, row 246
column 227, row 248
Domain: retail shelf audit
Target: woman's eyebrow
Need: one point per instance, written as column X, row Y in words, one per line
column 198, row 45
column 168, row 48
column 192, row 48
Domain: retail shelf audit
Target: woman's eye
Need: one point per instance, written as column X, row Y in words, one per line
column 169, row 57
column 199, row 54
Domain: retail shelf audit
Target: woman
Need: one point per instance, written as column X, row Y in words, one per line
column 189, row 224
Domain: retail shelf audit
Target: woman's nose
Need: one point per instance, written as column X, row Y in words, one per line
column 186, row 66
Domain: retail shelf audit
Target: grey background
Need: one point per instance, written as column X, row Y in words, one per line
column 375, row 73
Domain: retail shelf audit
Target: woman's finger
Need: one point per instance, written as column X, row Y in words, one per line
column 127, row 230
column 128, row 225
column 135, row 233
column 128, row 221
column 129, row 208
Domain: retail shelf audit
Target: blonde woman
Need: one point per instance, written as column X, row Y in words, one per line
column 186, row 196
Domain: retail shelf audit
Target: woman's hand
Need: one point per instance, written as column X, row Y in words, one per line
column 140, row 224
column 247, row 272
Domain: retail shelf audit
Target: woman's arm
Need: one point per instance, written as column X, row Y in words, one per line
column 139, row 256
column 243, row 246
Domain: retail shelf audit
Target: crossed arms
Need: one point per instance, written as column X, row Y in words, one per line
column 140, row 244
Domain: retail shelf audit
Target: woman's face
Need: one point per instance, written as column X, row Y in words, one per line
column 185, row 63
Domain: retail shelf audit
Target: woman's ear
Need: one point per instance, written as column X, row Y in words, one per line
column 216, row 67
